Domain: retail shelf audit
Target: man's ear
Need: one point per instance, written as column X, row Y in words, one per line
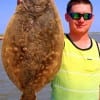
column 66, row 17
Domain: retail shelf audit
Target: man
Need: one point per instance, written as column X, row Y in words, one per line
column 79, row 75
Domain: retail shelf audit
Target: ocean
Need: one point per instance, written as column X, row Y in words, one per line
column 8, row 91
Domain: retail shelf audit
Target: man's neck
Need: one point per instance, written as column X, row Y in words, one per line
column 80, row 40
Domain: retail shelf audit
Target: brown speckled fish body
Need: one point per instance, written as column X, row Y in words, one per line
column 32, row 46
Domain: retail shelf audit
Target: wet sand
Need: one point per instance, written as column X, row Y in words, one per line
column 8, row 91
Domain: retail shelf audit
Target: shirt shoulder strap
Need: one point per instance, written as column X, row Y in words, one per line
column 98, row 45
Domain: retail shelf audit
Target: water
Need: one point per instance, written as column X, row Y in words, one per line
column 8, row 91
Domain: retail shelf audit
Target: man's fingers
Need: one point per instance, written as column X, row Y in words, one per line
column 19, row 1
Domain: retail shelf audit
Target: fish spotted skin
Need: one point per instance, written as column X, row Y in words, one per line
column 32, row 46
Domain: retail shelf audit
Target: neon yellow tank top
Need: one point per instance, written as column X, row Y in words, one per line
column 79, row 75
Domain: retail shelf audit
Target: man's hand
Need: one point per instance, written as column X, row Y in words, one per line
column 18, row 2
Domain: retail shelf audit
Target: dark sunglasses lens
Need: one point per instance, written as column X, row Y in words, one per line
column 75, row 16
column 87, row 16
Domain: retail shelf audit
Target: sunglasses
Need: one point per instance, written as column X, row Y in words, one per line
column 77, row 16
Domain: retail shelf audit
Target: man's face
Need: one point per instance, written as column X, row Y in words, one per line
column 81, row 25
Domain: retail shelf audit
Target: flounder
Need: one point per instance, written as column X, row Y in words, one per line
column 33, row 45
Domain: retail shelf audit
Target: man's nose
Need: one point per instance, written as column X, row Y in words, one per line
column 81, row 19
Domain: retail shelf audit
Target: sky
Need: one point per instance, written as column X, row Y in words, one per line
column 7, row 9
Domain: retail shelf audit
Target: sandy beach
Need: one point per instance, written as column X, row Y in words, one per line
column 8, row 91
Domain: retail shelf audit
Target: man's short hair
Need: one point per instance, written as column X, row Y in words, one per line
column 73, row 2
